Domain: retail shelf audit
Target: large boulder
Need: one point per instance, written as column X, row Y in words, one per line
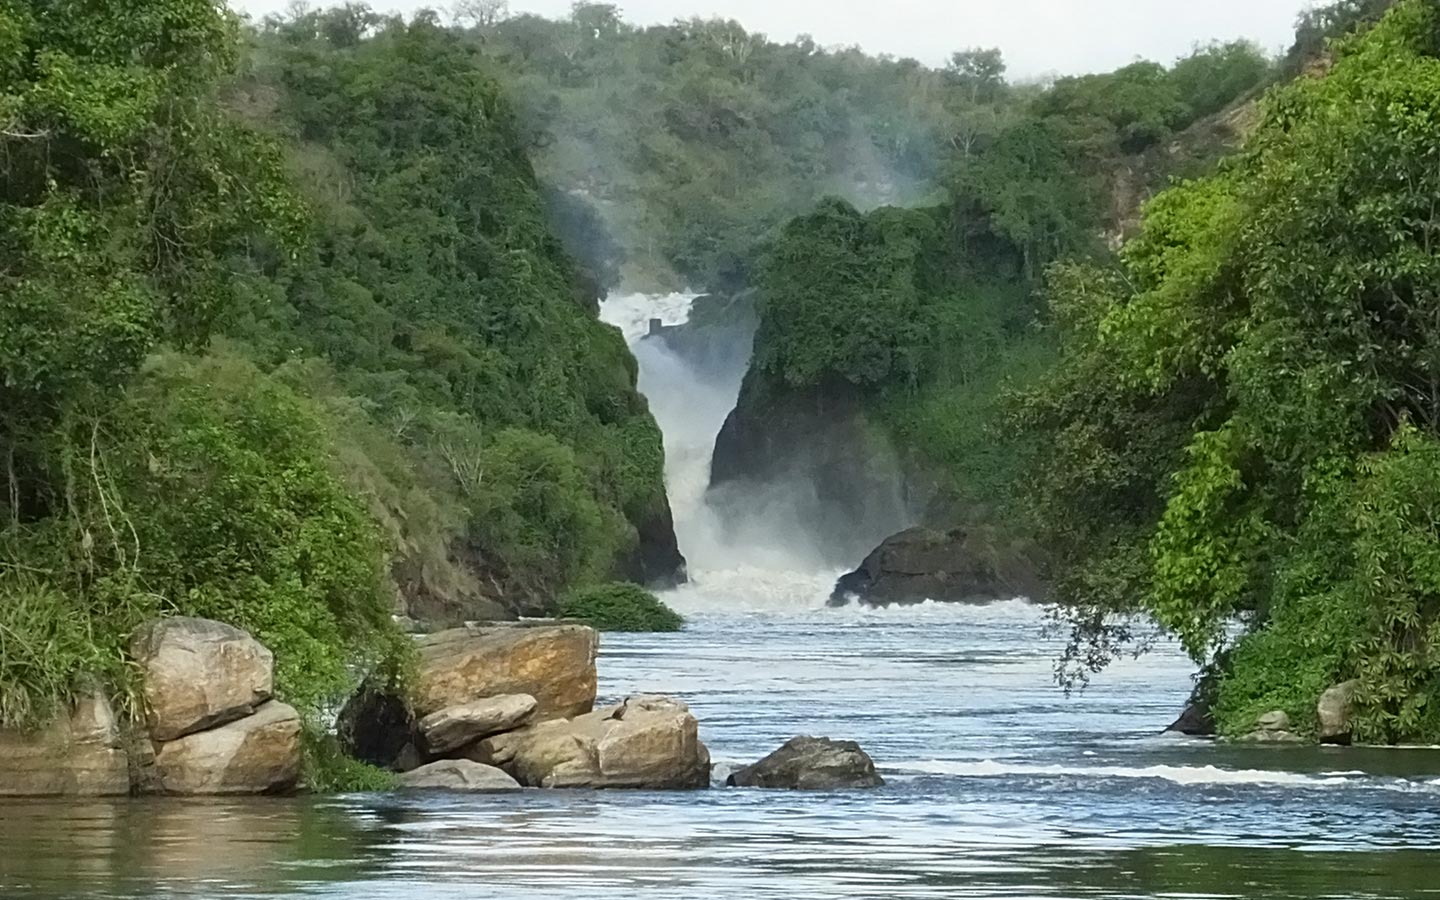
column 259, row 754
column 457, row 775
column 198, row 674
column 649, row 743
column 455, row 726
column 954, row 566
column 79, row 755
column 555, row 664
column 811, row 764
column 552, row 663
column 1335, row 711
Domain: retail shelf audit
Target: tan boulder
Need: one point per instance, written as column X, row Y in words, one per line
column 79, row 755
column 259, row 754
column 457, row 775
column 555, row 664
column 456, row 726
column 644, row 743
column 1335, row 710
column 198, row 674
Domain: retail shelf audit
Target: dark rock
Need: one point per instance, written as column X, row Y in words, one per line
column 1195, row 721
column 656, row 561
column 954, row 566
column 811, row 764
column 376, row 727
column 814, row 457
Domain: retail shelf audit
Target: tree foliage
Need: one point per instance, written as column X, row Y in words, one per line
column 1259, row 379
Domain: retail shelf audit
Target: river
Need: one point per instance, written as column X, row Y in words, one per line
column 998, row 785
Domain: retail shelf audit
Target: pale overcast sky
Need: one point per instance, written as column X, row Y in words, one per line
column 1037, row 36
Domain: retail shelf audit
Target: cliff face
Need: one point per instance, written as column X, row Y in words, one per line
column 816, row 452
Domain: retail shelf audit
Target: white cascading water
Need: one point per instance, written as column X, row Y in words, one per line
column 763, row 562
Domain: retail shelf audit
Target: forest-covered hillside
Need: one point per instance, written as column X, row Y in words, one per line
column 285, row 340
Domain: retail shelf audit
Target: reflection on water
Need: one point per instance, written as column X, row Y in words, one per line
column 998, row 787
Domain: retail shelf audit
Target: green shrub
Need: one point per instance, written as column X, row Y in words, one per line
column 327, row 770
column 620, row 607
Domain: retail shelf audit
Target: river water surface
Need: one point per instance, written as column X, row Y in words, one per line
column 998, row 785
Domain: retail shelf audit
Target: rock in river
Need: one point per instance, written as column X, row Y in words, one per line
column 198, row 674
column 458, row 775
column 1273, row 728
column 650, row 743
column 456, row 726
column 811, row 764
column 259, row 754
column 954, row 566
column 555, row 664
column 1335, row 712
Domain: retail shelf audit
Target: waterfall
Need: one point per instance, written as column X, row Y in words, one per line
column 757, row 559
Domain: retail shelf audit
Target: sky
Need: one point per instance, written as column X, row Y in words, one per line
column 1038, row 37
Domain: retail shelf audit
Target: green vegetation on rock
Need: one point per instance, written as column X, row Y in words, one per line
column 620, row 607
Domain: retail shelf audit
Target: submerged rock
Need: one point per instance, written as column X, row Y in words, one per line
column 1335, row 711
column 199, row 674
column 79, row 755
column 259, row 754
column 649, row 743
column 955, row 566
column 456, row 726
column 458, row 775
column 811, row 764
column 1273, row 728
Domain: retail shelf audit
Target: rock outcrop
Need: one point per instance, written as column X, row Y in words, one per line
column 1197, row 719
column 1273, row 728
column 656, row 560
column 457, row 726
column 649, row 743
column 955, row 566
column 815, row 462
column 198, row 674
column 457, row 775
column 555, row 664
column 259, row 754
column 80, row 755
column 1335, row 712
column 811, row 764
column 552, row 663
column 212, row 727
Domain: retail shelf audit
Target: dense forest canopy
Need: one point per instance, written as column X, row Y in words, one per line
column 1244, row 417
